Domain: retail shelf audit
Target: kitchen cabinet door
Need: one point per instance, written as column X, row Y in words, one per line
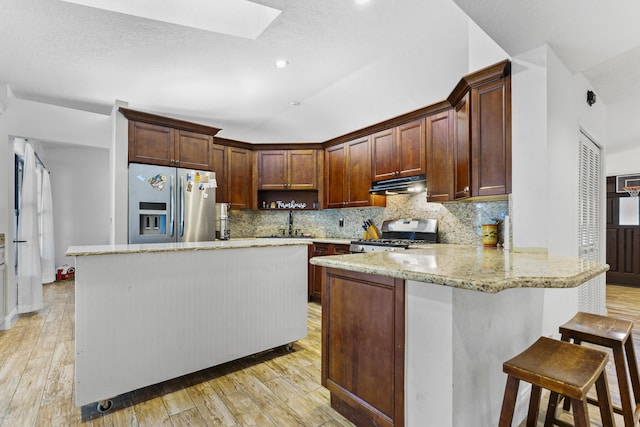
column 272, row 170
column 366, row 384
column 348, row 175
column 162, row 145
column 239, row 179
column 151, row 144
column 287, row 170
column 491, row 138
column 359, row 173
column 316, row 272
column 219, row 166
column 385, row 155
column 411, row 148
column 439, row 157
column 336, row 175
column 399, row 152
column 193, row 150
column 302, row 169
column 462, row 149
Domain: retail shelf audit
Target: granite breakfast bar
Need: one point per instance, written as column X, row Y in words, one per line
column 428, row 329
column 149, row 313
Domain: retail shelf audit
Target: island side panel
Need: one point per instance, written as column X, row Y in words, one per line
column 457, row 341
column 429, row 354
column 147, row 317
column 489, row 329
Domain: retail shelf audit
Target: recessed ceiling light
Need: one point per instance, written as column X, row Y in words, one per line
column 240, row 18
column 281, row 63
column 295, row 103
column 362, row 1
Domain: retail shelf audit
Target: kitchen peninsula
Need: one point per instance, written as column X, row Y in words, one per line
column 149, row 313
column 422, row 334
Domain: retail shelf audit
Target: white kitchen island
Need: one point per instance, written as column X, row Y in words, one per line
column 149, row 313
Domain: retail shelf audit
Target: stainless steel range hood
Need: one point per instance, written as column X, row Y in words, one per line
column 407, row 185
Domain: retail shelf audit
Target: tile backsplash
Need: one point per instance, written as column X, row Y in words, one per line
column 458, row 223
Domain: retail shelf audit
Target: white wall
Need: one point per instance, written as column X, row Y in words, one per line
column 623, row 162
column 530, row 206
column 80, row 188
column 549, row 110
column 39, row 122
column 47, row 122
column 483, row 51
column 118, row 165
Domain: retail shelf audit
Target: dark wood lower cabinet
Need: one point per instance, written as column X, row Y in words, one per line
column 316, row 273
column 363, row 327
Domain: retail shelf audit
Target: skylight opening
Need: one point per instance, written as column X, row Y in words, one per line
column 239, row 18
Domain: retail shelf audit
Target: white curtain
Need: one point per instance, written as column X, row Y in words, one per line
column 29, row 262
column 47, row 248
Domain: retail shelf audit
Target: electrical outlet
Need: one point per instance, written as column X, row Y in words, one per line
column 341, row 222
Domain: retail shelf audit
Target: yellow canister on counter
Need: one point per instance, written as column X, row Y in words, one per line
column 489, row 234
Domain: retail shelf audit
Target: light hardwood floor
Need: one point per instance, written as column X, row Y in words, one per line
column 275, row 388
column 623, row 302
column 271, row 389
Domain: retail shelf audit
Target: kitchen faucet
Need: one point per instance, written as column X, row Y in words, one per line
column 290, row 223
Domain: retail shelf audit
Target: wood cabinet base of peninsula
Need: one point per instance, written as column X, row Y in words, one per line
column 363, row 330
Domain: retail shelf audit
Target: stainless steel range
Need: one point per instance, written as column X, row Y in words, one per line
column 398, row 235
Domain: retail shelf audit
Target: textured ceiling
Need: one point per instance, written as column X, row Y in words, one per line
column 350, row 66
column 599, row 39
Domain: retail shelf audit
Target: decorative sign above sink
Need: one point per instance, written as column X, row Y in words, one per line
column 288, row 200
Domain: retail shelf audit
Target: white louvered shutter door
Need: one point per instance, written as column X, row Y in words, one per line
column 591, row 295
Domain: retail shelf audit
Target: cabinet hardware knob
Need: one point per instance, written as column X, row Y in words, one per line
column 466, row 189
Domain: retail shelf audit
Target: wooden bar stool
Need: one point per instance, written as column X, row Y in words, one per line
column 564, row 368
column 615, row 334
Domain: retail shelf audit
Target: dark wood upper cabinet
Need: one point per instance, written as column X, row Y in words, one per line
column 385, row 156
column 193, row 150
column 491, row 138
column 482, row 133
column 219, row 166
column 411, row 148
column 359, row 172
column 348, row 175
column 239, row 181
column 439, row 136
column 336, row 176
column 399, row 152
column 159, row 140
column 461, row 150
column 151, row 144
column 287, row 169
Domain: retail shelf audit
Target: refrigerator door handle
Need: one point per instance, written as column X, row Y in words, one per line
column 172, row 208
column 181, row 195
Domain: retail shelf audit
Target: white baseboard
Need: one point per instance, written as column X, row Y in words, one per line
column 8, row 321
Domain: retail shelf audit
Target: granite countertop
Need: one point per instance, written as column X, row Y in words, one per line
column 475, row 268
column 185, row 246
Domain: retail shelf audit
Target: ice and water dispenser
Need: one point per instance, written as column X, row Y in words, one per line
column 153, row 219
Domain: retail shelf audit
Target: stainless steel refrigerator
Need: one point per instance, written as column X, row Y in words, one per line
column 171, row 204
